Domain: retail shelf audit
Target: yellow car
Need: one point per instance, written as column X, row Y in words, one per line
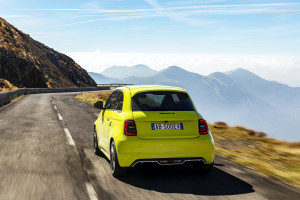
column 152, row 124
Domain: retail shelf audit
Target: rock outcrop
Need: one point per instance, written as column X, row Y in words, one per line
column 28, row 63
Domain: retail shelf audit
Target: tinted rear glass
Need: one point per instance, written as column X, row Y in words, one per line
column 162, row 101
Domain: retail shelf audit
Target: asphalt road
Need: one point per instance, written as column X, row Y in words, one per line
column 46, row 153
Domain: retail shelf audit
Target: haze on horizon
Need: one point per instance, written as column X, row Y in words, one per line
column 200, row 36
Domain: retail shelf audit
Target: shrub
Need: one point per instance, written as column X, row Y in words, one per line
column 261, row 134
column 251, row 132
column 221, row 123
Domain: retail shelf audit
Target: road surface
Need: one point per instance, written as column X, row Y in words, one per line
column 46, row 152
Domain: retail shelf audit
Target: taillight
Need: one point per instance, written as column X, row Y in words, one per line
column 130, row 128
column 203, row 128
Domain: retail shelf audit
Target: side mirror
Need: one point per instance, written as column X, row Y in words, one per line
column 99, row 105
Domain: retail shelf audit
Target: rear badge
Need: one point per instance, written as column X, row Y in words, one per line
column 174, row 126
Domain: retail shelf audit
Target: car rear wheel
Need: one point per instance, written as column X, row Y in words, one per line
column 116, row 169
column 96, row 147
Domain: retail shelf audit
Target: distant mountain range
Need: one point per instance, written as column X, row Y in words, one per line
column 121, row 72
column 101, row 79
column 25, row 62
column 238, row 97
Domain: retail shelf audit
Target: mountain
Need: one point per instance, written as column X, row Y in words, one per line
column 277, row 94
column 217, row 85
column 28, row 63
column 101, row 79
column 238, row 97
column 121, row 72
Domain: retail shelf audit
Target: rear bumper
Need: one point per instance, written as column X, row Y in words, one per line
column 169, row 161
column 132, row 149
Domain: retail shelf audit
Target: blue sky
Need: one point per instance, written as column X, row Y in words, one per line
column 244, row 30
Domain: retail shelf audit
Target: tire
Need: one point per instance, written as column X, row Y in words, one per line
column 116, row 169
column 203, row 168
column 97, row 151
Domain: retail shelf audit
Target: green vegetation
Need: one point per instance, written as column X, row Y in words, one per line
column 6, row 85
column 277, row 159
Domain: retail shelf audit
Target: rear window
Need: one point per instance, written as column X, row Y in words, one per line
column 162, row 101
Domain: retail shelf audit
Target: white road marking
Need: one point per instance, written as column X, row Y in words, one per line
column 91, row 191
column 89, row 187
column 66, row 130
column 69, row 137
column 59, row 117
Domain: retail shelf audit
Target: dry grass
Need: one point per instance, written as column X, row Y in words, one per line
column 16, row 99
column 6, row 85
column 268, row 156
column 93, row 97
column 293, row 144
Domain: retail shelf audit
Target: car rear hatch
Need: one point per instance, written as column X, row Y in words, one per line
column 166, row 124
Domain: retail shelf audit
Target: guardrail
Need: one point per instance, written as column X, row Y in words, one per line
column 114, row 84
column 6, row 97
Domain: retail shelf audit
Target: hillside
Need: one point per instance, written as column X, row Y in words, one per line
column 268, row 156
column 27, row 63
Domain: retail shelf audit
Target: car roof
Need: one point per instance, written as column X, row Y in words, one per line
column 134, row 89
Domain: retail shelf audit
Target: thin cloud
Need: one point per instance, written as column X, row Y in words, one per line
column 108, row 19
column 88, row 10
column 240, row 12
column 176, row 16
column 185, row 14
column 159, row 8
column 234, row 5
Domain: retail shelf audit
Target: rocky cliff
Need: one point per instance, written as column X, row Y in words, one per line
column 28, row 63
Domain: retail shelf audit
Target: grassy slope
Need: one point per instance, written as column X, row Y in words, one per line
column 93, row 97
column 6, row 85
column 268, row 156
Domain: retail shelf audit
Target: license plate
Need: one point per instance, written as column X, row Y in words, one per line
column 175, row 126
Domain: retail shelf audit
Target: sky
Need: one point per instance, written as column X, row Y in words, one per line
column 201, row 36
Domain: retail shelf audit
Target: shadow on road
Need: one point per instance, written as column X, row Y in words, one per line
column 184, row 180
